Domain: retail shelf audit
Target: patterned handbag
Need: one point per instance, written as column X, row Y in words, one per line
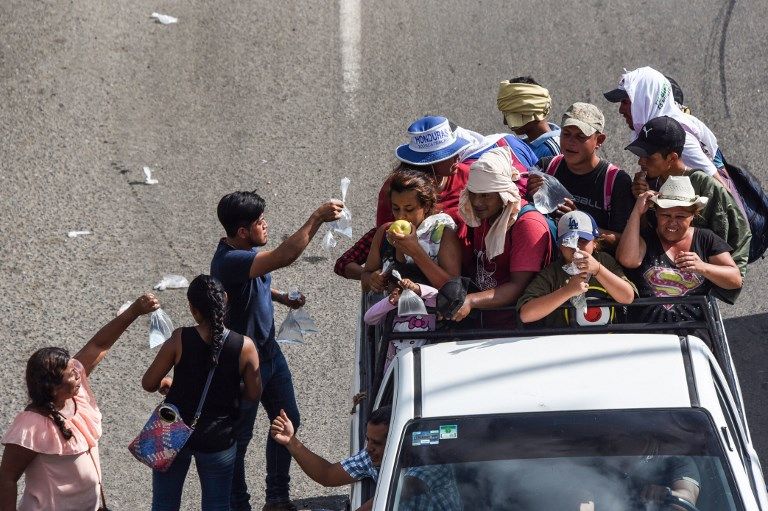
column 165, row 433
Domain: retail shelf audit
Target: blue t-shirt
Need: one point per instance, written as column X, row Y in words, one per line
column 719, row 160
column 548, row 144
column 250, row 309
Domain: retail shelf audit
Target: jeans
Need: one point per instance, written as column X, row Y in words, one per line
column 214, row 470
column 277, row 393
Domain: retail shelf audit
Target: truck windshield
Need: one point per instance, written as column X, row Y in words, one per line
column 617, row 460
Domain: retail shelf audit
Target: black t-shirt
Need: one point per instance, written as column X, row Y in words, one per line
column 658, row 276
column 213, row 432
column 588, row 193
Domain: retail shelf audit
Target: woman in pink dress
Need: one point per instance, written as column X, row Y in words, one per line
column 54, row 441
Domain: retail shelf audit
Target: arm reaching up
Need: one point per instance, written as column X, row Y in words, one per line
column 95, row 349
column 318, row 468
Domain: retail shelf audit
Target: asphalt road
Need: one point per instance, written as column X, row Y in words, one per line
column 287, row 98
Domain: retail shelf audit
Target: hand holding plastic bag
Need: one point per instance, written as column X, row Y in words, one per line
column 578, row 301
column 343, row 225
column 551, row 193
column 297, row 323
column 410, row 303
column 160, row 328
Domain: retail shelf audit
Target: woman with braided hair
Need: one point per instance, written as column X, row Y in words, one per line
column 54, row 441
column 191, row 352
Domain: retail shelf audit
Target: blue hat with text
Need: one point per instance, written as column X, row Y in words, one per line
column 432, row 140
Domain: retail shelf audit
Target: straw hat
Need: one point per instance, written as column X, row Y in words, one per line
column 678, row 191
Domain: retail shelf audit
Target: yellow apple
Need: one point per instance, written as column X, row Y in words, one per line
column 400, row 227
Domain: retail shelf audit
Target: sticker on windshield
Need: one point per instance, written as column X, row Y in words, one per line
column 426, row 437
column 449, row 431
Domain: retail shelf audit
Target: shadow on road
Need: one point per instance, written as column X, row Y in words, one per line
column 333, row 502
column 748, row 338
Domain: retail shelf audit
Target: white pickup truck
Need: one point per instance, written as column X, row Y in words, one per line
column 595, row 418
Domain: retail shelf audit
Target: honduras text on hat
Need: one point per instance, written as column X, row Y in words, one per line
column 432, row 140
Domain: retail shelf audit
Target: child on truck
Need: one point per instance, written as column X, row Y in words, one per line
column 582, row 271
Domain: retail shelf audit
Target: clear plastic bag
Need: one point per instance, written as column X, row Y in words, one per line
column 342, row 226
column 148, row 179
column 411, row 317
column 172, row 282
column 305, row 321
column 124, row 307
column 160, row 328
column 578, row 301
column 164, row 18
column 290, row 331
column 551, row 194
column 410, row 303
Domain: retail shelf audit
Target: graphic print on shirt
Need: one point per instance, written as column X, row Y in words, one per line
column 665, row 281
column 485, row 270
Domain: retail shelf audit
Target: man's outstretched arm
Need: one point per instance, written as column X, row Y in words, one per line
column 318, row 468
column 290, row 250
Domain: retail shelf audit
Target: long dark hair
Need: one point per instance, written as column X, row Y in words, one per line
column 207, row 295
column 45, row 371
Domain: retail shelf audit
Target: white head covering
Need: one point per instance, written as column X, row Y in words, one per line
column 493, row 173
column 651, row 96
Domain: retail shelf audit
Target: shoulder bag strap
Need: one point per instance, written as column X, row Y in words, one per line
column 101, row 484
column 208, row 382
column 553, row 164
column 610, row 179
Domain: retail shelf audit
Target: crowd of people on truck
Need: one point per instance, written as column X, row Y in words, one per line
column 457, row 218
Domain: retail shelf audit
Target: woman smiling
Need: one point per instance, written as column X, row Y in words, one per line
column 675, row 259
column 54, row 441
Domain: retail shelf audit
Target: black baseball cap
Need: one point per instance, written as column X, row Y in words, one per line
column 677, row 91
column 659, row 134
column 616, row 95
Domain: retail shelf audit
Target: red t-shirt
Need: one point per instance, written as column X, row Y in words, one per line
column 526, row 248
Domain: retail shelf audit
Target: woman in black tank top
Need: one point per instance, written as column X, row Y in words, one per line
column 191, row 352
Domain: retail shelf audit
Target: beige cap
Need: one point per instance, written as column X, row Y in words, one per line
column 585, row 116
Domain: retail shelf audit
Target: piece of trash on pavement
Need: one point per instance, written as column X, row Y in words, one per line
column 75, row 234
column 123, row 307
column 160, row 328
column 148, row 180
column 171, row 282
column 164, row 18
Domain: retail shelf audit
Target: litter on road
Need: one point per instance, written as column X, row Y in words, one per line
column 148, row 179
column 75, row 234
column 164, row 18
column 171, row 282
